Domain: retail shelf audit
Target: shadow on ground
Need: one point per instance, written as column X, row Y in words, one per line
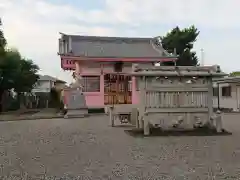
column 124, row 126
column 173, row 132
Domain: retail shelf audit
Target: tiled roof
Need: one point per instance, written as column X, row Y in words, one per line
column 49, row 78
column 235, row 79
column 114, row 47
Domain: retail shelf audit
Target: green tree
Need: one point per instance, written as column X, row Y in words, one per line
column 3, row 41
column 8, row 72
column 234, row 74
column 180, row 41
column 26, row 78
column 16, row 73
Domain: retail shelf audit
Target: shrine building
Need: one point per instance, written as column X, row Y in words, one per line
column 104, row 62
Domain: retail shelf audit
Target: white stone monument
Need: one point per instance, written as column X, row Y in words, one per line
column 76, row 102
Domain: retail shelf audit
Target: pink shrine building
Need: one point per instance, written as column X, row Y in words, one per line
column 104, row 64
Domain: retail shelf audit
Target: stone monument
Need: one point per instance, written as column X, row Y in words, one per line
column 76, row 103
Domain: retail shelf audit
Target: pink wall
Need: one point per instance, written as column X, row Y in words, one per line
column 96, row 99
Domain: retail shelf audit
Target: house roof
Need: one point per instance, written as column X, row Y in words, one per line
column 115, row 47
column 235, row 79
column 50, row 78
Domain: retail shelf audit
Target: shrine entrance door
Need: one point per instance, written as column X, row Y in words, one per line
column 117, row 89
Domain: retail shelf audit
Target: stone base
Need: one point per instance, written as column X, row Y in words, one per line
column 76, row 113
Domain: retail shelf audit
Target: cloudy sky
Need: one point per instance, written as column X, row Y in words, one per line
column 33, row 26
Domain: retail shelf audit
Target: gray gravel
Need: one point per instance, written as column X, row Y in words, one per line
column 89, row 149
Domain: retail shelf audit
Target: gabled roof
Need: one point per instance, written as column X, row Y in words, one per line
column 115, row 47
column 46, row 78
column 235, row 79
column 50, row 78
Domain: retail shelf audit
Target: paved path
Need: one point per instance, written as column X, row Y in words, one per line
column 89, row 149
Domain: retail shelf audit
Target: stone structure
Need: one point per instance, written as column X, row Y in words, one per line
column 76, row 102
column 176, row 97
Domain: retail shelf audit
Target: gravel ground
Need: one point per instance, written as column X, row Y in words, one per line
column 88, row 149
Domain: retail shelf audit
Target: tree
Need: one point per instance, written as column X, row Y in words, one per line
column 16, row 73
column 27, row 76
column 180, row 41
column 8, row 72
column 26, row 79
column 234, row 74
column 3, row 41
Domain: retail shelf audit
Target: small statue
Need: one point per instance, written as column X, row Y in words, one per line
column 78, row 81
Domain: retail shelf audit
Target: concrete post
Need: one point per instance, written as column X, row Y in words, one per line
column 218, row 121
column 146, row 128
column 111, row 116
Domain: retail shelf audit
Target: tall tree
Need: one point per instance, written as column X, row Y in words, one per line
column 180, row 41
column 27, row 76
column 26, row 79
column 8, row 71
column 16, row 72
column 3, row 41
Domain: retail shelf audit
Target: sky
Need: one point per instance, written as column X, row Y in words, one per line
column 33, row 26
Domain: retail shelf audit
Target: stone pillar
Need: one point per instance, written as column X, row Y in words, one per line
column 76, row 104
column 218, row 121
column 111, row 116
column 146, row 127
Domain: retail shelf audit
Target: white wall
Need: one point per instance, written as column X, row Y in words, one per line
column 43, row 86
column 227, row 102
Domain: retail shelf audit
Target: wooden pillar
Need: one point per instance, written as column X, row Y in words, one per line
column 102, row 89
column 117, row 90
column 102, row 79
column 102, row 85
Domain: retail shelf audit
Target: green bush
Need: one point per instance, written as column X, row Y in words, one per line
column 55, row 100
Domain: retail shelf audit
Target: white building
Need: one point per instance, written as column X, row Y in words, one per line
column 45, row 83
column 226, row 93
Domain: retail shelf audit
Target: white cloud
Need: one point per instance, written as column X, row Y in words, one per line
column 37, row 39
column 32, row 26
column 213, row 13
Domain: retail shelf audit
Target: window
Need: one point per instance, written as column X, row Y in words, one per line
column 215, row 91
column 226, row 91
column 91, row 83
